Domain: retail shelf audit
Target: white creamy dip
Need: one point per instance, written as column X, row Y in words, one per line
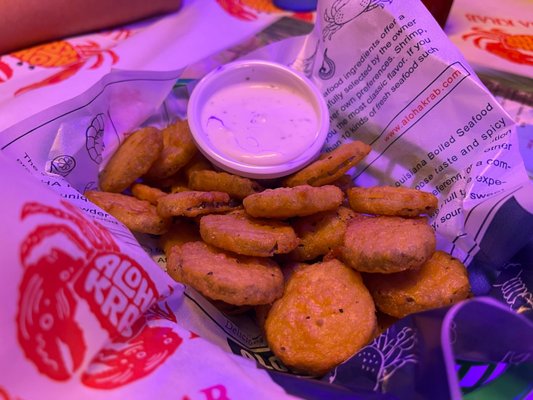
column 259, row 123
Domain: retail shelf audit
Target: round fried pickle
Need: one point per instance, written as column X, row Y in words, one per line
column 148, row 193
column 236, row 186
column 388, row 200
column 330, row 166
column 218, row 275
column 178, row 149
column 319, row 233
column 132, row 160
column 387, row 244
column 137, row 215
column 441, row 281
column 192, row 204
column 298, row 201
column 326, row 315
column 244, row 235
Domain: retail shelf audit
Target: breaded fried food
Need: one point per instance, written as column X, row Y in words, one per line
column 236, row 186
column 131, row 160
column 193, row 203
column 137, row 215
column 248, row 236
column 181, row 231
column 387, row 244
column 330, row 166
column 441, row 281
column 198, row 163
column 147, row 193
column 178, row 149
column 298, row 201
column 320, row 233
column 388, row 200
column 219, row 275
column 326, row 315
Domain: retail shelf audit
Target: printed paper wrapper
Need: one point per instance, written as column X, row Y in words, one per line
column 89, row 313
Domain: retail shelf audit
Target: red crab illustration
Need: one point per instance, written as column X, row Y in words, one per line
column 87, row 265
column 244, row 9
column 60, row 54
column 513, row 48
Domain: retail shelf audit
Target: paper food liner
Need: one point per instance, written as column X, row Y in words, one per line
column 88, row 314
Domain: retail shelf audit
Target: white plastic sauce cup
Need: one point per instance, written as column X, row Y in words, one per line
column 258, row 119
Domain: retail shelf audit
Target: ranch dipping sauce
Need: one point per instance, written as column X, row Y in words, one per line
column 258, row 119
column 260, row 123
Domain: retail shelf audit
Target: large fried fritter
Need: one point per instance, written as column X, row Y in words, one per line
column 147, row 193
column 320, row 233
column 137, row 215
column 236, row 186
column 326, row 315
column 219, row 275
column 330, row 166
column 387, row 244
column 178, row 149
column 244, row 235
column 388, row 200
column 132, row 159
column 442, row 281
column 298, row 201
column 192, row 204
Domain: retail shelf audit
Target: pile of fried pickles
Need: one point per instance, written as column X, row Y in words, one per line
column 318, row 259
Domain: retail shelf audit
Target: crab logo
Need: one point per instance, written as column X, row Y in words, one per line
column 247, row 10
column 88, row 266
column 514, row 48
column 344, row 11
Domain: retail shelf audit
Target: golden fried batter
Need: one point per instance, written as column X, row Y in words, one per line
column 330, row 166
column 319, row 233
column 388, row 200
column 137, row 215
column 441, row 281
column 178, row 149
column 131, row 160
column 148, row 193
column 236, row 186
column 219, row 275
column 387, row 244
column 244, row 235
column 298, row 201
column 198, row 163
column 192, row 204
column 326, row 315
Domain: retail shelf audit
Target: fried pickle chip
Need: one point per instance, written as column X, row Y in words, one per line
column 245, row 235
column 178, row 149
column 219, row 275
column 147, row 193
column 320, row 233
column 388, row 200
column 330, row 166
column 298, row 201
column 193, row 203
column 236, row 186
column 387, row 244
column 182, row 231
column 198, row 163
column 132, row 160
column 326, row 315
column 441, row 281
column 137, row 215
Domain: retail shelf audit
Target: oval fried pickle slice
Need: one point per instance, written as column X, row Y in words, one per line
column 137, row 215
column 298, row 201
column 330, row 166
column 248, row 236
column 236, row 186
column 194, row 203
column 387, row 244
column 325, row 316
column 233, row 279
column 178, row 149
column 131, row 160
column 388, row 200
column 320, row 233
column 147, row 193
column 441, row 281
